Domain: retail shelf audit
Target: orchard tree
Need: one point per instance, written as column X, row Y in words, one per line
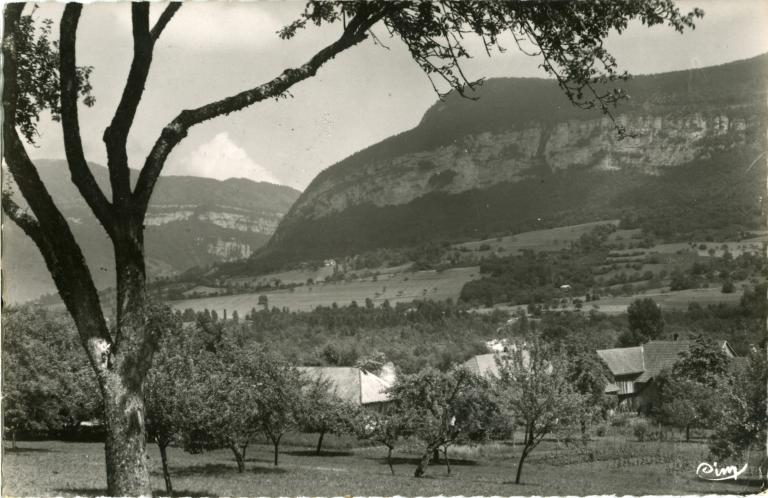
column 386, row 428
column 443, row 407
column 220, row 399
column 40, row 75
column 704, row 362
column 166, row 387
column 742, row 421
column 534, row 388
column 321, row 410
column 47, row 387
column 278, row 386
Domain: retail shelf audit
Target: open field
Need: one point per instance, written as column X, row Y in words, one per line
column 552, row 239
column 618, row 466
column 396, row 287
column 668, row 300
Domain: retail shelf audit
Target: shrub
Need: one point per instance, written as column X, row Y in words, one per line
column 727, row 287
column 600, row 431
column 641, row 431
column 619, row 421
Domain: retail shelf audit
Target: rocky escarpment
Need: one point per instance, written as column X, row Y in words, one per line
column 190, row 222
column 522, row 154
column 487, row 159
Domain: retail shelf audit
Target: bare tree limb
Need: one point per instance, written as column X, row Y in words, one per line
column 116, row 134
column 165, row 17
column 176, row 130
column 24, row 220
column 80, row 173
column 48, row 229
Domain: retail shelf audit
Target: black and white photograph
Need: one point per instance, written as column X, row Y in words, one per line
column 384, row 248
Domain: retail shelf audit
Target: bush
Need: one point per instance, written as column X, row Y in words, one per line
column 641, row 431
column 727, row 287
column 619, row 421
column 600, row 430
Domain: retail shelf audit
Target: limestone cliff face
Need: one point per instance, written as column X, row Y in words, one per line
column 521, row 153
column 479, row 161
column 228, row 217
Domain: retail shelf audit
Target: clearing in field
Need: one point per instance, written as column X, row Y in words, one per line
column 394, row 287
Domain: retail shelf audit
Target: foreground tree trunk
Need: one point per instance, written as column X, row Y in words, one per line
column 276, row 443
column 125, row 445
column 239, row 453
column 166, row 472
column 520, row 467
column 447, row 462
column 389, row 460
column 421, row 469
column 320, row 442
column 687, row 433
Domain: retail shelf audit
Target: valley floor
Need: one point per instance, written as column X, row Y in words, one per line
column 618, row 466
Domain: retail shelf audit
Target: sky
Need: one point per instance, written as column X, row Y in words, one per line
column 214, row 49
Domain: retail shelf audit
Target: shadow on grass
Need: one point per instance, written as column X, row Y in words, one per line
column 214, row 469
column 313, row 453
column 416, row 460
column 83, row 491
column 27, row 450
column 186, row 492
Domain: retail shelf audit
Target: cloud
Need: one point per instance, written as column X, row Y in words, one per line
column 221, row 158
column 224, row 25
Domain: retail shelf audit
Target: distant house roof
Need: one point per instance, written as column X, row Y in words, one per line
column 650, row 358
column 483, row 365
column 623, row 361
column 351, row 383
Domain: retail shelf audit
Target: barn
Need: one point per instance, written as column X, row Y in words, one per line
column 355, row 385
column 633, row 369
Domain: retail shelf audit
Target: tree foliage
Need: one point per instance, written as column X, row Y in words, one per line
column 48, row 386
column 645, row 319
column 322, row 411
column 444, row 407
column 534, row 388
column 742, row 420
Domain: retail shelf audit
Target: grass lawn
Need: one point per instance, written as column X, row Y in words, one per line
column 608, row 465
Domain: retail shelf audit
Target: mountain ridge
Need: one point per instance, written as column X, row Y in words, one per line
column 191, row 221
column 524, row 131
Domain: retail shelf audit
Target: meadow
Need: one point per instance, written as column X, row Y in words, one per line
column 612, row 464
column 395, row 287
column 550, row 239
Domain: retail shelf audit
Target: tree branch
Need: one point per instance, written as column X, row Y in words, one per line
column 24, row 220
column 116, row 134
column 80, row 173
column 176, row 130
column 165, row 17
column 48, row 229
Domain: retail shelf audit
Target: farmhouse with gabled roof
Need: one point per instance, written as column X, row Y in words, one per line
column 633, row 369
column 354, row 384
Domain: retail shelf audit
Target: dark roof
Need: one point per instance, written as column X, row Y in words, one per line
column 648, row 359
column 659, row 355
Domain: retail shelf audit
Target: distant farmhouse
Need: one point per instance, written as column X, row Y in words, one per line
column 355, row 385
column 633, row 369
column 485, row 365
